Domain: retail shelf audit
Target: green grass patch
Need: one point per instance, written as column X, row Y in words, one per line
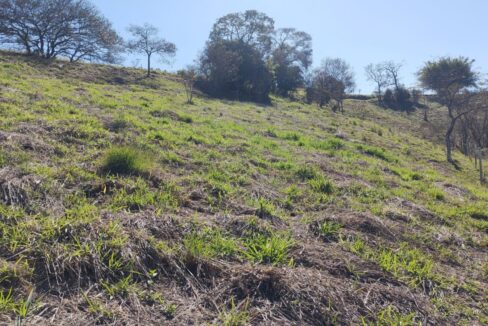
column 210, row 243
column 125, row 161
column 410, row 265
column 321, row 185
column 269, row 248
column 330, row 230
column 306, row 172
column 376, row 152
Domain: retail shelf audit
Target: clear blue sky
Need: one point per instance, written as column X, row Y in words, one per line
column 359, row 31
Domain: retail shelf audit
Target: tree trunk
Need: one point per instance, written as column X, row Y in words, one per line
column 426, row 118
column 482, row 175
column 465, row 144
column 148, row 65
column 448, row 140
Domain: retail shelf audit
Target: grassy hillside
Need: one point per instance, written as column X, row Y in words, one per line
column 121, row 205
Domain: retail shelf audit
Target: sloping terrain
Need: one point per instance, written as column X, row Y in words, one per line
column 232, row 213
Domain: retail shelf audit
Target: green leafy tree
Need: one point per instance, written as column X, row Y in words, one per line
column 451, row 79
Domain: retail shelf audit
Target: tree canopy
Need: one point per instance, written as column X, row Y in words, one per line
column 74, row 29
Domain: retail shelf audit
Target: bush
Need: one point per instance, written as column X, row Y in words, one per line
column 398, row 99
column 125, row 160
column 388, row 97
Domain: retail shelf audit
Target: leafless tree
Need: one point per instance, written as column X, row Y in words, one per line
column 392, row 70
column 145, row 40
column 473, row 129
column 189, row 76
column 377, row 74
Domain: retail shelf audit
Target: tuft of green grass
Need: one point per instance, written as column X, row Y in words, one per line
column 265, row 208
column 330, row 230
column 390, row 316
column 125, row 161
column 436, row 193
column 306, row 172
column 410, row 265
column 210, row 243
column 118, row 124
column 121, row 288
column 269, row 249
column 330, row 144
column 234, row 316
column 322, row 185
column 3, row 160
column 185, row 118
column 376, row 152
column 293, row 136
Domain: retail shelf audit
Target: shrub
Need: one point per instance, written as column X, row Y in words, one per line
column 126, row 161
column 389, row 97
column 398, row 99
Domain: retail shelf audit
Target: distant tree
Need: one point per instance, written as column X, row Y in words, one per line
column 474, row 132
column 291, row 57
column 402, row 98
column 250, row 27
column 389, row 97
column 377, row 73
column 392, row 70
column 341, row 71
column 235, row 70
column 235, row 62
column 451, row 79
column 334, row 78
column 319, row 89
column 189, row 76
column 416, row 95
column 74, row 29
column 145, row 40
